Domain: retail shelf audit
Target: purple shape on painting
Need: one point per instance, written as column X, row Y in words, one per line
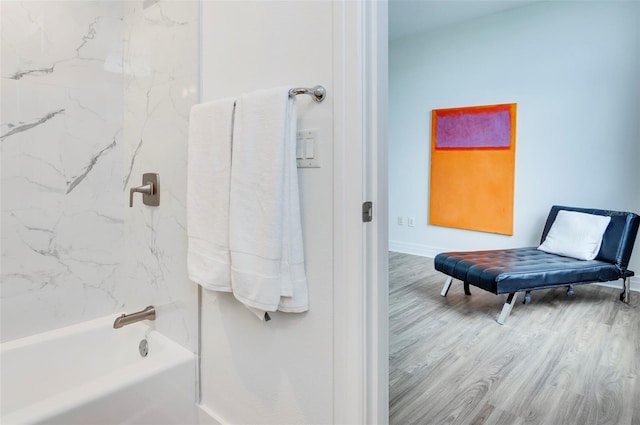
column 476, row 130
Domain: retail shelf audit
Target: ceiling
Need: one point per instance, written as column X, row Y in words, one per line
column 407, row 17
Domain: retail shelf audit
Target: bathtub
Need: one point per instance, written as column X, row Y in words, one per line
column 90, row 373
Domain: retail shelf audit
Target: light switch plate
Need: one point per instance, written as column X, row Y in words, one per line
column 307, row 148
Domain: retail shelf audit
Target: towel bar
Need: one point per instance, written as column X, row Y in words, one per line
column 318, row 93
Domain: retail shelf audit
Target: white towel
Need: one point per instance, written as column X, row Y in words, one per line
column 208, row 183
column 265, row 234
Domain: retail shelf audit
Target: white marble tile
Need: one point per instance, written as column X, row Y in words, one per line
column 61, row 158
column 160, row 88
column 95, row 93
column 62, row 43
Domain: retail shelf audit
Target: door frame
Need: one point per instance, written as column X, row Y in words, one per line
column 361, row 336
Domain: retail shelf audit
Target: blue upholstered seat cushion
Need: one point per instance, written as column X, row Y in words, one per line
column 511, row 270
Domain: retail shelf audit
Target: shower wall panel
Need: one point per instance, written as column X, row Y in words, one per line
column 160, row 86
column 61, row 140
column 94, row 94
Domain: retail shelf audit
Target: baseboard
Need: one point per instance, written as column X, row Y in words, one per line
column 634, row 284
column 208, row 417
column 414, row 249
column 431, row 251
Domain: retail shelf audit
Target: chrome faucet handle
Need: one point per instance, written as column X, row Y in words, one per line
column 150, row 190
column 146, row 189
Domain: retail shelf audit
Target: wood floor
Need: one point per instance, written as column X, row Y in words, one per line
column 559, row 360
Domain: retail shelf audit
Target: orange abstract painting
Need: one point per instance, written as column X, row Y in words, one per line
column 473, row 168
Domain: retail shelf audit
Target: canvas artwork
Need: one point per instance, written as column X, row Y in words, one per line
column 473, row 167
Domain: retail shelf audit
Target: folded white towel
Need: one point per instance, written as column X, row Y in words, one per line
column 265, row 234
column 208, row 183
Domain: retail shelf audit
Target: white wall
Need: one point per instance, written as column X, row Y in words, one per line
column 573, row 69
column 280, row 371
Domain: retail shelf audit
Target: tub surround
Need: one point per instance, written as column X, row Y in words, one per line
column 62, row 219
column 90, row 103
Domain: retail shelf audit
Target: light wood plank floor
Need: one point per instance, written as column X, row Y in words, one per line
column 559, row 360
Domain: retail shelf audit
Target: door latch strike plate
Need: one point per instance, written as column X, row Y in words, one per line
column 367, row 211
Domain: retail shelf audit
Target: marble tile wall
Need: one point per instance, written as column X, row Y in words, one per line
column 94, row 94
column 160, row 86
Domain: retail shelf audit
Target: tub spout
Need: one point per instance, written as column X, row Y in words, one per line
column 148, row 313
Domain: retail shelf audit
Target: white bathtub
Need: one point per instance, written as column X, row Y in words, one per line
column 91, row 373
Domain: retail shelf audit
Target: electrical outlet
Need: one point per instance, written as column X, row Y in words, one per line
column 400, row 220
column 411, row 221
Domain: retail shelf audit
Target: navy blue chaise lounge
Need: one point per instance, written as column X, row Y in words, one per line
column 509, row 271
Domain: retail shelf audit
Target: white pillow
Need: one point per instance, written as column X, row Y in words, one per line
column 575, row 234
